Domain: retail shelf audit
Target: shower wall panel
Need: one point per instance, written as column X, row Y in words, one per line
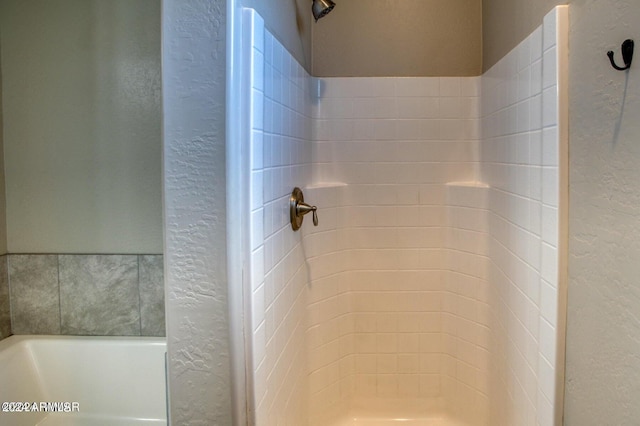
column 524, row 118
column 280, row 152
column 433, row 273
column 395, row 143
column 465, row 309
column 330, row 340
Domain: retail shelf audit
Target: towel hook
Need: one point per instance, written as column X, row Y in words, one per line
column 627, row 55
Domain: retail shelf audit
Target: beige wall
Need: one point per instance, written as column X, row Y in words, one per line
column 82, row 125
column 399, row 38
column 290, row 21
column 603, row 334
column 505, row 23
column 3, row 208
column 372, row 37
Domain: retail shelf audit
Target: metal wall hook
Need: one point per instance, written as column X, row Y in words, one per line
column 627, row 55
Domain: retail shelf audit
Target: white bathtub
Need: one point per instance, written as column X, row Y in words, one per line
column 114, row 380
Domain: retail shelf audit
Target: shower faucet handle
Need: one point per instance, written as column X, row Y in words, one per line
column 304, row 208
column 298, row 208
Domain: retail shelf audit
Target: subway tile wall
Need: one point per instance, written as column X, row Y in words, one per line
column 96, row 295
column 279, row 125
column 520, row 162
column 431, row 274
column 465, row 314
column 330, row 322
column 395, row 143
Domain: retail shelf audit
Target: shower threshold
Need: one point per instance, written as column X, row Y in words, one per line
column 398, row 412
column 432, row 421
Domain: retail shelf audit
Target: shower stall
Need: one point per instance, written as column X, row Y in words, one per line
column 432, row 290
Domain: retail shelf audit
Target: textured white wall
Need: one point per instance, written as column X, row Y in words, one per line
column 82, row 126
column 194, row 193
column 603, row 369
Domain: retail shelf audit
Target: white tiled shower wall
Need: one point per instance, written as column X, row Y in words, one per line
column 396, row 143
column 465, row 309
column 522, row 142
column 280, row 152
column 404, row 290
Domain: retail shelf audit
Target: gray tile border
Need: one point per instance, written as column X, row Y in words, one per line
column 5, row 306
column 99, row 295
column 35, row 297
column 82, row 294
column 151, row 287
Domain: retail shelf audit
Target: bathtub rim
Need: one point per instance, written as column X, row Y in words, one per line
column 17, row 338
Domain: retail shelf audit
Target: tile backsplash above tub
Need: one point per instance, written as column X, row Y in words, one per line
column 98, row 295
column 5, row 309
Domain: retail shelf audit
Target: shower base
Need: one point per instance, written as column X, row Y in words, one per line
column 426, row 421
column 397, row 412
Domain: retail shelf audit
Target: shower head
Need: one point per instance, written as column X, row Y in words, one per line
column 321, row 7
